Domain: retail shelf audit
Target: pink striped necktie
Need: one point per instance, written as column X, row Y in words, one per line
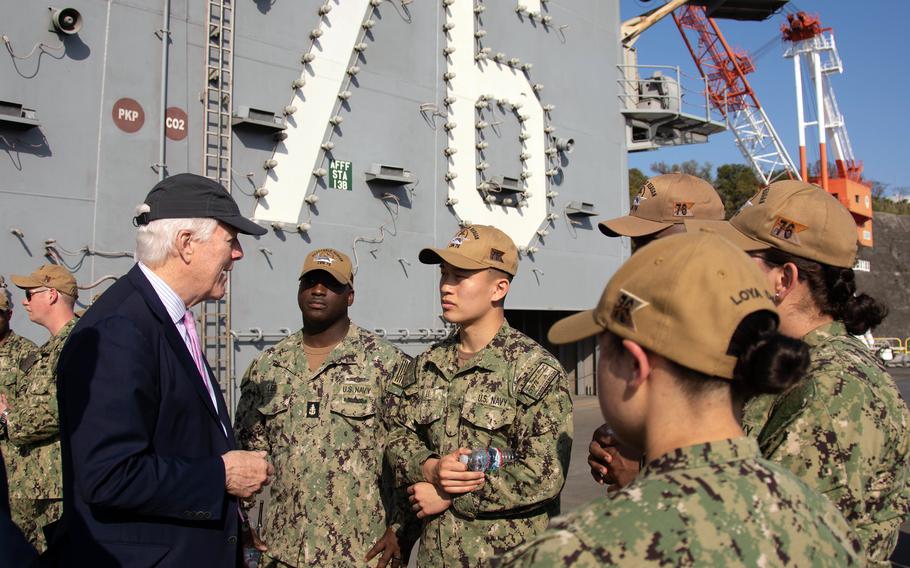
column 190, row 322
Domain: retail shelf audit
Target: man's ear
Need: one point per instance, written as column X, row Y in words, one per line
column 184, row 244
column 500, row 289
column 641, row 362
column 350, row 297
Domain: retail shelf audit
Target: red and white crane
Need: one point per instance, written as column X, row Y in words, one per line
column 729, row 91
column 812, row 48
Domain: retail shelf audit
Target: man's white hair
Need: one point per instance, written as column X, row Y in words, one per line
column 156, row 241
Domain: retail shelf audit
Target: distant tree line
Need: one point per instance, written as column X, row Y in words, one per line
column 736, row 183
column 885, row 205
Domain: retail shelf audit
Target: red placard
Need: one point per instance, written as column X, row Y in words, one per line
column 128, row 115
column 175, row 122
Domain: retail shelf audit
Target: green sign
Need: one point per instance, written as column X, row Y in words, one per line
column 341, row 175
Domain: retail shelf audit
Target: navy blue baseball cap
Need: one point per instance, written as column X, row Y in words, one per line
column 188, row 196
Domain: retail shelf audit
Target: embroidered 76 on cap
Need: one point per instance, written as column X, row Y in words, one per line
column 662, row 297
column 796, row 217
column 664, row 201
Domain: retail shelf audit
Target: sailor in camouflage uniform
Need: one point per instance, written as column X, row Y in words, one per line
column 486, row 386
column 844, row 429
column 663, row 205
column 318, row 403
column 14, row 349
column 669, row 387
column 32, row 425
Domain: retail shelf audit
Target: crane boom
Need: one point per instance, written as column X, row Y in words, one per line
column 729, row 91
column 634, row 27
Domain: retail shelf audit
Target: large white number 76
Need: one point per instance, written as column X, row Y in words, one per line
column 468, row 82
column 299, row 154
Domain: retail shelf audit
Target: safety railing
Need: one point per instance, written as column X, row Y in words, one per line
column 664, row 88
column 892, row 350
column 396, row 335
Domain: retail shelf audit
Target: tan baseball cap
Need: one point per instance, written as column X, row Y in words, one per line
column 5, row 300
column 796, row 217
column 330, row 260
column 664, row 201
column 476, row 247
column 49, row 276
column 681, row 297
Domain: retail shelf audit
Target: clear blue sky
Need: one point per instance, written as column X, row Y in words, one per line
column 873, row 92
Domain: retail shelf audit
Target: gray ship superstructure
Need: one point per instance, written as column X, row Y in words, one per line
column 375, row 127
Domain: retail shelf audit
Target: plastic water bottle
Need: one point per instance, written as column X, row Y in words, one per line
column 487, row 459
column 251, row 557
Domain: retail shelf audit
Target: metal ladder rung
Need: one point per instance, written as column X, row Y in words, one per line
column 216, row 164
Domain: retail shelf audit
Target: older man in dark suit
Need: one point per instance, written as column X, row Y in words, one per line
column 151, row 475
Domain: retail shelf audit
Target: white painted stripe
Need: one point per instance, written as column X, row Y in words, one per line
column 316, row 102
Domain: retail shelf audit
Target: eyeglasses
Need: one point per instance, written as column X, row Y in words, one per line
column 32, row 291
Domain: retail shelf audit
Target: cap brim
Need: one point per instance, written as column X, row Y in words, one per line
column 727, row 231
column 331, row 272
column 574, row 328
column 26, row 282
column 438, row 256
column 244, row 225
column 630, row 226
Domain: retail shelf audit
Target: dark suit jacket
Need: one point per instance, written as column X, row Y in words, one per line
column 143, row 479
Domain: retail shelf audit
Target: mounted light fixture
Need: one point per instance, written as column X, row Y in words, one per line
column 67, row 21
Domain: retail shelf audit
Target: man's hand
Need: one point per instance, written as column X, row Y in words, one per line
column 388, row 546
column 612, row 462
column 426, row 500
column 450, row 475
column 246, row 472
column 4, row 404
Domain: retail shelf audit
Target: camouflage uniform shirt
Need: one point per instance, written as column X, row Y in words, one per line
column 13, row 351
column 33, row 425
column 325, row 432
column 843, row 430
column 512, row 393
column 713, row 504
